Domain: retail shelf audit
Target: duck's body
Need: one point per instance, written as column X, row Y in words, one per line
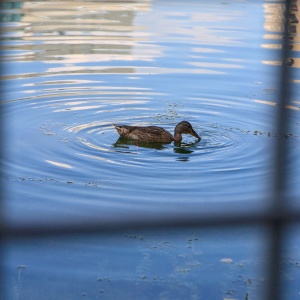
column 155, row 133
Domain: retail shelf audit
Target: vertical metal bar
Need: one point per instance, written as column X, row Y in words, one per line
column 1, row 194
column 274, row 291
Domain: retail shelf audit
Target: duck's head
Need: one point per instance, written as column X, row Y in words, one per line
column 184, row 127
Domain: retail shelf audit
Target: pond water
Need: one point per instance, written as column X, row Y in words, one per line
column 70, row 70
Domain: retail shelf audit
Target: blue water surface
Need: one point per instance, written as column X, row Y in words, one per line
column 71, row 70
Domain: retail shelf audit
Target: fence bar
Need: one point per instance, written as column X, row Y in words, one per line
column 1, row 195
column 144, row 221
column 277, row 226
column 1, row 186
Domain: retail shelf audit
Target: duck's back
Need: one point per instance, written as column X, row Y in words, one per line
column 145, row 134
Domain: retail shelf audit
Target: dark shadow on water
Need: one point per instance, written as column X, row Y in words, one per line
column 184, row 149
column 125, row 143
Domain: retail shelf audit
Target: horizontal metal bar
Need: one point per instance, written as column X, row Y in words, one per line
column 171, row 221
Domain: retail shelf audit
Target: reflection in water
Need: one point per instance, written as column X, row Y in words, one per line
column 180, row 147
column 111, row 32
column 186, row 149
column 123, row 142
column 183, row 149
column 274, row 26
column 62, row 165
column 100, row 32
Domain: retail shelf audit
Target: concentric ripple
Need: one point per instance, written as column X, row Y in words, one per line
column 219, row 143
column 82, row 153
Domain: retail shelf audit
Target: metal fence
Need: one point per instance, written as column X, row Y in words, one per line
column 276, row 218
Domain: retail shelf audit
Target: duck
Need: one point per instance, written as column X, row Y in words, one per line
column 155, row 134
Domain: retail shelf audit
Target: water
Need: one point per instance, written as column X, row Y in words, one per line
column 73, row 69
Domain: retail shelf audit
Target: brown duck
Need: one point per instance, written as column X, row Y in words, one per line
column 156, row 134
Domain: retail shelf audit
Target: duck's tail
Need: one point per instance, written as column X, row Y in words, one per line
column 122, row 130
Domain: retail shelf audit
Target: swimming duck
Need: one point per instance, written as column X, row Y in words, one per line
column 155, row 133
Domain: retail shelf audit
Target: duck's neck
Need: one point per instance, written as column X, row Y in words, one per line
column 177, row 137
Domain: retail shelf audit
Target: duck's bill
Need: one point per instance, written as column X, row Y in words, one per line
column 195, row 134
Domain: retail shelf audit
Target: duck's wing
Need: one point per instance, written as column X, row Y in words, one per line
column 146, row 134
column 125, row 130
column 155, row 130
column 158, row 134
